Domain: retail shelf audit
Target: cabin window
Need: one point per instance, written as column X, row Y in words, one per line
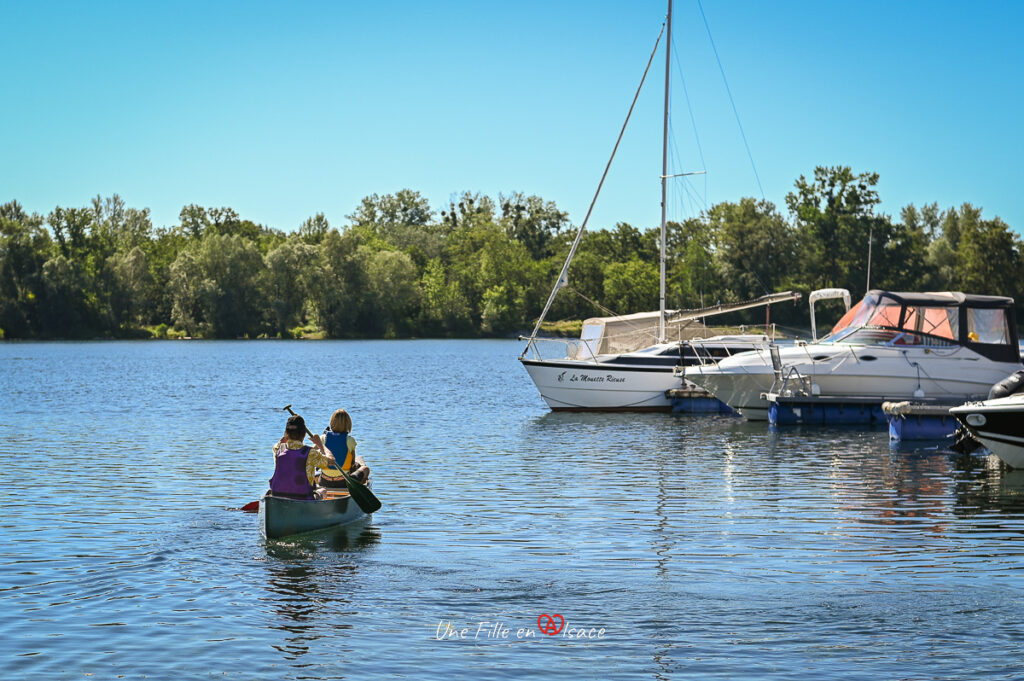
column 885, row 314
column 943, row 322
column 988, row 326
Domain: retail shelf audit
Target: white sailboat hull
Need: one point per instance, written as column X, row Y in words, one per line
column 568, row 385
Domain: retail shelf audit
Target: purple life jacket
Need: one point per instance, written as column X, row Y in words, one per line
column 290, row 474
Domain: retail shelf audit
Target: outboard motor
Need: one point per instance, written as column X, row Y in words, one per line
column 1014, row 383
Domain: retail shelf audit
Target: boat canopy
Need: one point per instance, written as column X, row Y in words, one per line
column 632, row 332
column 986, row 324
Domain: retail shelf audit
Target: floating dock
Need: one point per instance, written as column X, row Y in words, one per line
column 694, row 400
column 908, row 420
column 919, row 421
column 819, row 410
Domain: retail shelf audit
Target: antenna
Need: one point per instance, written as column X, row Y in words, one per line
column 871, row 231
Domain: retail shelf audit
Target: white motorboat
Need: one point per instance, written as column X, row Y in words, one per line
column 891, row 346
column 998, row 424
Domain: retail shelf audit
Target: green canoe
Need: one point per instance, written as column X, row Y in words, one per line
column 283, row 517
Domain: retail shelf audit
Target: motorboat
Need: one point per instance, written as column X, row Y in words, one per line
column 998, row 422
column 949, row 347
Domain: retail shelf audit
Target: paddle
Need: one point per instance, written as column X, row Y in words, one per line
column 366, row 500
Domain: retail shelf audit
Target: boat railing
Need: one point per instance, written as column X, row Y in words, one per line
column 788, row 379
column 705, row 358
column 544, row 349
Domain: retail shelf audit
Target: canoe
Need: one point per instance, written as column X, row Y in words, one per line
column 283, row 517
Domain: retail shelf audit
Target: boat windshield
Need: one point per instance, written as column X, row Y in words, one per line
column 876, row 320
column 845, row 320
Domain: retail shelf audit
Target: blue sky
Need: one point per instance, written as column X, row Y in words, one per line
column 282, row 110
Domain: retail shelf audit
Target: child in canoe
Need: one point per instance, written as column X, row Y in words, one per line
column 295, row 463
column 342, row 445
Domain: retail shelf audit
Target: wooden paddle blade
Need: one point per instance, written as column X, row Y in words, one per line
column 365, row 499
column 251, row 507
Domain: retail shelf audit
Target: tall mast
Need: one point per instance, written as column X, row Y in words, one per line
column 664, row 173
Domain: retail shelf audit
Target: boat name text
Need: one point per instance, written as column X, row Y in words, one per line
column 588, row 378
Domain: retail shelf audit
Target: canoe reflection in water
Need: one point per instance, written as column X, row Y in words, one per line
column 308, row 575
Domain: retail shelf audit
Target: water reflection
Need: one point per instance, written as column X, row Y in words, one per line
column 985, row 488
column 313, row 583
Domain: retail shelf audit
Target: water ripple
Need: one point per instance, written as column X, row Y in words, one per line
column 705, row 547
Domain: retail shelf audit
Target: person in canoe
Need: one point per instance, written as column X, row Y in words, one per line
column 295, row 463
column 338, row 439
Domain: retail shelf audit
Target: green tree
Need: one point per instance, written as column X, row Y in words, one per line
column 532, row 221
column 134, row 286
column 585, row 283
column 184, row 288
column 472, row 210
column 122, row 226
column 394, row 286
column 217, row 287
column 71, row 230
column 64, row 306
column 405, row 207
column 194, row 220
column 755, row 247
column 483, row 258
column 400, row 221
column 990, row 254
column 445, row 310
column 631, row 286
column 292, row 269
column 834, row 214
column 24, row 248
column 900, row 250
column 691, row 277
column 314, row 229
column 339, row 290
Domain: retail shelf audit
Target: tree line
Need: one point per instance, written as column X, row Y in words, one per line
column 477, row 267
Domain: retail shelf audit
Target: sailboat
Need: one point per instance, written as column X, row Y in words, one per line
column 628, row 362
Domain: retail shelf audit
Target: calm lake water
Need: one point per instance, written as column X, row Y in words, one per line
column 704, row 547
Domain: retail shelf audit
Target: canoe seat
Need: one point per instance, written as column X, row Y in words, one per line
column 335, row 494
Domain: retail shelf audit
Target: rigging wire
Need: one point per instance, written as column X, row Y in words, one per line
column 698, row 203
column 599, row 306
column 731, row 101
column 689, row 107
